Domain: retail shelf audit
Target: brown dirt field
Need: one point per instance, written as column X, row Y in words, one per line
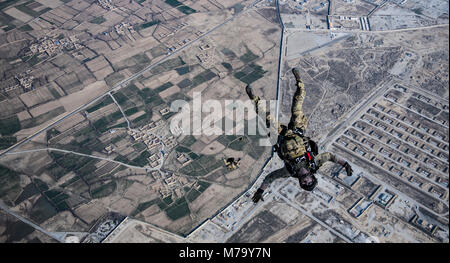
column 23, row 115
column 156, row 117
column 102, row 73
column 128, row 51
column 168, row 76
column 70, row 122
column 97, row 64
column 181, row 224
column 51, row 3
column 136, row 191
column 112, row 18
column 61, row 13
column 208, row 139
column 198, row 146
column 63, row 220
column 159, row 219
column 213, row 148
column 45, row 108
column 36, row 96
column 78, row 98
column 152, row 210
column 136, row 115
column 113, row 44
column 18, row 14
column 91, row 211
column 170, row 91
column 212, row 199
column 199, row 88
column 123, row 206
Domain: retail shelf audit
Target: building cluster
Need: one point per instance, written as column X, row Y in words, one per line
column 151, row 141
column 424, row 224
column 231, row 215
column 385, row 198
column 348, row 22
column 145, row 136
column 102, row 229
column 52, row 46
column 155, row 160
column 25, row 82
column 165, row 111
column 170, row 183
column 406, row 146
column 360, row 207
column 109, row 149
column 106, row 4
column 299, row 4
column 205, row 55
column 183, row 158
column 122, row 26
column 169, row 142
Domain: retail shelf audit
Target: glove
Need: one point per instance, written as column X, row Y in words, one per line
column 348, row 169
column 258, row 195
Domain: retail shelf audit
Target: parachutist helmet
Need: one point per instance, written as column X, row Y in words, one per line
column 306, row 179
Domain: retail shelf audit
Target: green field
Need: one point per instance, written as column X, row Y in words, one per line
column 7, row 141
column 178, row 210
column 183, row 70
column 42, row 210
column 28, row 191
column 163, row 87
column 26, row 28
column 141, row 160
column 227, row 66
column 24, row 8
column 108, row 100
column 9, row 184
column 192, row 195
column 188, row 140
column 104, row 190
column 148, row 24
column 248, row 56
column 98, row 20
column 250, row 74
column 186, row 9
column 9, row 125
column 173, row 3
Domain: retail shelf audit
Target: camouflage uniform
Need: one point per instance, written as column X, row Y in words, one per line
column 292, row 145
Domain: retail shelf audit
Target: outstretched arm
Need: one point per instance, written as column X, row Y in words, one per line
column 329, row 157
column 280, row 173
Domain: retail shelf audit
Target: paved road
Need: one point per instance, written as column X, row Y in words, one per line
column 280, row 60
column 81, row 154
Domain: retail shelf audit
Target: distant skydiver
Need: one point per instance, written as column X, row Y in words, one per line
column 232, row 163
column 299, row 153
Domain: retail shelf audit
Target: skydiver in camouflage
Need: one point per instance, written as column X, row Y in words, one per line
column 300, row 153
column 232, row 163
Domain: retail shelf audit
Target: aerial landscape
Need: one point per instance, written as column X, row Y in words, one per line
column 89, row 152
